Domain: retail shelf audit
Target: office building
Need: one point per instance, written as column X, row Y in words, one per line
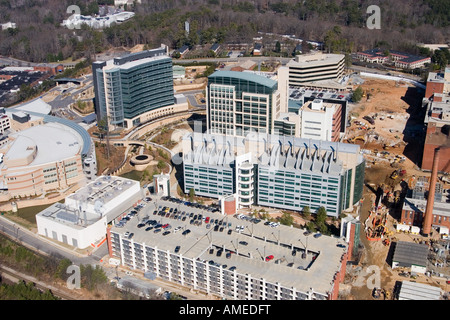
column 240, row 102
column 134, row 89
column 274, row 171
column 76, row 21
column 313, row 71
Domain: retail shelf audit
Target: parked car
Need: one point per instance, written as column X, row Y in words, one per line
column 269, row 258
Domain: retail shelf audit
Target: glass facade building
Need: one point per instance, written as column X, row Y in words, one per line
column 240, row 102
column 132, row 85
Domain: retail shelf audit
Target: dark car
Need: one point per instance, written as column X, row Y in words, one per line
column 244, row 243
column 177, row 249
column 165, row 233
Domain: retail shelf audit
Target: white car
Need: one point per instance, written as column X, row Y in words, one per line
column 177, row 229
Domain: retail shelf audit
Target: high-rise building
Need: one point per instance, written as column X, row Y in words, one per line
column 240, row 102
column 128, row 88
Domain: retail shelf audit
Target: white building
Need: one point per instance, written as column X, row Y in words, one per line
column 75, row 21
column 82, row 220
column 321, row 121
column 9, row 25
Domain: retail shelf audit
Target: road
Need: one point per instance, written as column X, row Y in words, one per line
column 33, row 241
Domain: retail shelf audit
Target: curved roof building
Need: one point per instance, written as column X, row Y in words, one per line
column 41, row 152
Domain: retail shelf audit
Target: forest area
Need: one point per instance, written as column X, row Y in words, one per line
column 341, row 24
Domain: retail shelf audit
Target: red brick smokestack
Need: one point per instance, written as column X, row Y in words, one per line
column 426, row 228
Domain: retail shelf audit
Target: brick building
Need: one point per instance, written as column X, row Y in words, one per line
column 437, row 119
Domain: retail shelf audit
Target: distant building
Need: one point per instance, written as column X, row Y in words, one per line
column 257, row 49
column 8, row 25
column 398, row 59
column 215, row 48
column 75, row 21
column 183, row 50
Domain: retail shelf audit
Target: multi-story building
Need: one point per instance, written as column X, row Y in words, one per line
column 415, row 204
column 321, row 121
column 314, row 71
column 135, row 88
column 230, row 258
column 437, row 120
column 40, row 159
column 5, row 122
column 240, row 102
column 274, row 171
column 43, row 153
column 398, row 59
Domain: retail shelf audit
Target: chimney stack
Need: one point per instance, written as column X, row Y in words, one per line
column 426, row 228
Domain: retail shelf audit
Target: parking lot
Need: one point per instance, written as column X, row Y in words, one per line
column 302, row 93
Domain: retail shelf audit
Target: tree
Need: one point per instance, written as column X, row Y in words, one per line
column 278, row 47
column 357, row 94
column 321, row 216
column 191, row 194
column 287, row 219
column 161, row 165
column 306, row 212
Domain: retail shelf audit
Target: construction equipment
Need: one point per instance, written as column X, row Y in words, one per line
column 352, row 140
column 394, row 174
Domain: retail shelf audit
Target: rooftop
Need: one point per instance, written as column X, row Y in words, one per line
column 282, row 152
column 52, row 141
column 246, row 76
column 418, row 291
column 314, row 270
column 316, row 59
column 410, row 253
column 106, row 196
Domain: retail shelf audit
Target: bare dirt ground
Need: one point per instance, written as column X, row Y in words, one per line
column 396, row 133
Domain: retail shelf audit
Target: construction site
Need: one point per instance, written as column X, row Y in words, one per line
column 388, row 124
